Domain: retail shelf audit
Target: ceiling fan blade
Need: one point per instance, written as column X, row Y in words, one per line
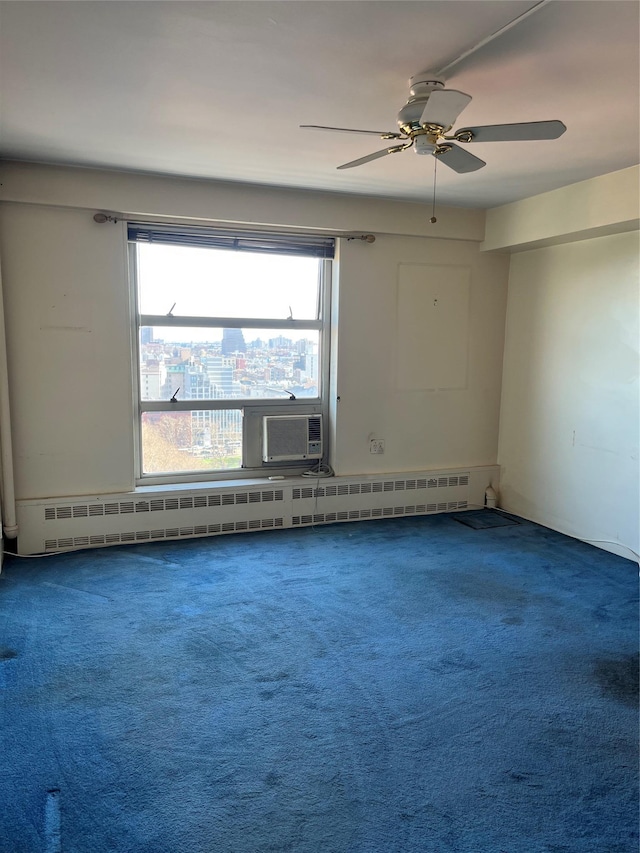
column 444, row 106
column 524, row 131
column 458, row 159
column 385, row 134
column 371, row 157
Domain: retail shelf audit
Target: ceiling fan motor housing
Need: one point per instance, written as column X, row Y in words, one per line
column 422, row 85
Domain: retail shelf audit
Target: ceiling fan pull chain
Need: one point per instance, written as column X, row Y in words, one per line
column 433, row 212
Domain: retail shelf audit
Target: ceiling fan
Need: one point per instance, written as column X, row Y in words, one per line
column 429, row 115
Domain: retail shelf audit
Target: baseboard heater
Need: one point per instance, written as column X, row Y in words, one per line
column 155, row 513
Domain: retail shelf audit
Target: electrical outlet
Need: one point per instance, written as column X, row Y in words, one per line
column 376, row 445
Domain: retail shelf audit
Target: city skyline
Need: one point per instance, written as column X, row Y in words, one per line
column 203, row 371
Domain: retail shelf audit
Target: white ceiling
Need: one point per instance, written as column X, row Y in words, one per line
column 218, row 89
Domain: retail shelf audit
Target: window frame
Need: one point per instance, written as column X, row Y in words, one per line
column 252, row 409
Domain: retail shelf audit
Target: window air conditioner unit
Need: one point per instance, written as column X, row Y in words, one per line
column 287, row 438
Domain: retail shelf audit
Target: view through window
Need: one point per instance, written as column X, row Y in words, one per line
column 220, row 329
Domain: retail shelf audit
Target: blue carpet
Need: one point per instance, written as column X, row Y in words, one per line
column 377, row 687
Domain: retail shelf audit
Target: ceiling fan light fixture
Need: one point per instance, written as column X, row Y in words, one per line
column 422, row 145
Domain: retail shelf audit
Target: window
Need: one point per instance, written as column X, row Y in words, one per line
column 230, row 328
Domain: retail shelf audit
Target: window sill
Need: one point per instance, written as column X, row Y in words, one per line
column 212, row 485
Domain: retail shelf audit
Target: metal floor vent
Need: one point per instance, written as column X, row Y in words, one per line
column 168, row 533
column 94, row 510
column 484, row 519
column 376, row 512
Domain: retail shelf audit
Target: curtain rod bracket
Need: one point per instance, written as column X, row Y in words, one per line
column 366, row 238
column 101, row 218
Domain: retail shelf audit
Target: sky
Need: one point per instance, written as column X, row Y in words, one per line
column 223, row 283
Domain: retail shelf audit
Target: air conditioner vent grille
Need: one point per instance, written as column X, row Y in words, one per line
column 291, row 437
column 315, row 429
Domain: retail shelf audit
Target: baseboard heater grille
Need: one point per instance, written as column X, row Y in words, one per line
column 71, row 523
column 92, row 510
column 376, row 512
column 169, row 533
column 369, row 488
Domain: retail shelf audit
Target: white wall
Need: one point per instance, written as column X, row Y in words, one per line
column 608, row 204
column 67, row 309
column 445, row 418
column 569, row 422
column 68, row 350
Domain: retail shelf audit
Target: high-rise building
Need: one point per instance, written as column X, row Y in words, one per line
column 175, row 380
column 312, row 364
column 232, row 341
column 220, row 374
column 152, row 377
